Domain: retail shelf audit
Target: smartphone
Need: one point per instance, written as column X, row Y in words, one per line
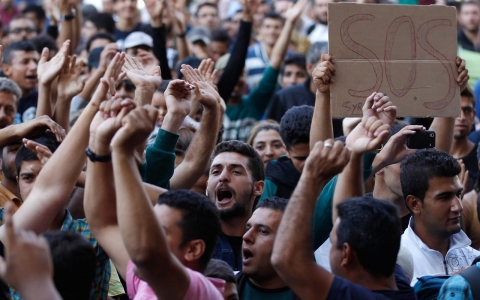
column 421, row 140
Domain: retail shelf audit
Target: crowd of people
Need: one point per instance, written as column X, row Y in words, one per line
column 187, row 150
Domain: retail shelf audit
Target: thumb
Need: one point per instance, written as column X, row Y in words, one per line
column 44, row 56
column 101, row 92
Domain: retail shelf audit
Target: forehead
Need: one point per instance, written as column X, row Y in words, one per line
column 230, row 158
column 466, row 101
column 438, row 185
column 302, row 149
column 266, row 216
column 20, row 54
column 470, row 7
column 168, row 216
column 207, row 8
column 267, row 135
column 21, row 23
column 31, row 166
column 293, row 68
column 272, row 22
column 7, row 98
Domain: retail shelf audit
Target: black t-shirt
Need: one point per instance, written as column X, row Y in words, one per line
column 346, row 290
column 236, row 244
column 27, row 107
column 471, row 164
column 464, row 42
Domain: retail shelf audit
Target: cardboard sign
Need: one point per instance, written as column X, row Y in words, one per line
column 406, row 52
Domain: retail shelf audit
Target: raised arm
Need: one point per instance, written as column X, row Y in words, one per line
column 69, row 85
column 444, row 126
column 292, row 251
column 145, row 84
column 367, row 136
column 322, row 76
column 281, row 45
column 141, row 232
column 52, row 189
column 47, row 72
column 198, row 154
column 179, row 29
column 15, row 133
column 67, row 28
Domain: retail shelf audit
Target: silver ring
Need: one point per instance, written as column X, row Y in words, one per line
column 328, row 145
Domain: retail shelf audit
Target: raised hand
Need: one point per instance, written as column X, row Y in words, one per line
column 294, row 12
column 323, row 74
column 148, row 60
column 380, row 106
column 136, row 127
column 114, row 74
column 249, row 8
column 179, row 20
column 109, row 119
column 41, row 151
column 140, row 78
column 395, row 150
column 28, row 263
column 204, row 92
column 206, row 69
column 107, row 55
column 326, row 160
column 155, row 10
column 38, row 126
column 463, row 76
column 177, row 97
column 368, row 135
column 69, row 84
column 48, row 70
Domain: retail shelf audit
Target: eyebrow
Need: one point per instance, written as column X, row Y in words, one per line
column 445, row 194
column 26, row 173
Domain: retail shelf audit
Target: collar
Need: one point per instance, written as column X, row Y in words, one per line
column 457, row 240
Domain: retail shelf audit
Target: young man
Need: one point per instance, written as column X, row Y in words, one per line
column 319, row 31
column 207, row 15
column 432, row 192
column 20, row 61
column 21, row 28
column 235, row 181
column 259, row 54
column 462, row 147
column 469, row 19
column 294, row 71
column 258, row 279
column 283, row 174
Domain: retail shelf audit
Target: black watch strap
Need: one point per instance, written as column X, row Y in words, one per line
column 94, row 157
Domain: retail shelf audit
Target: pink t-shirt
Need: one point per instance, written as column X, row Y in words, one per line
column 201, row 287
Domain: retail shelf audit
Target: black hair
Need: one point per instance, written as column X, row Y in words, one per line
column 295, row 125
column 262, row 126
column 127, row 83
column 186, row 135
column 103, row 21
column 295, row 59
column 44, row 41
column 18, row 46
column 220, row 35
column 209, row 4
column 273, row 203
column 200, row 219
column 217, row 268
column 37, row 10
column 25, row 154
column 418, row 168
column 74, row 263
column 372, row 228
column 98, row 36
column 255, row 163
column 272, row 15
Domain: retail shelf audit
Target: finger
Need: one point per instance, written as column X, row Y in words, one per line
column 378, row 96
column 44, row 55
column 327, row 147
column 73, row 64
column 45, row 152
column 369, row 102
column 152, row 113
column 101, row 92
column 372, row 130
column 10, row 237
column 137, row 63
column 325, row 57
column 330, row 67
column 461, row 77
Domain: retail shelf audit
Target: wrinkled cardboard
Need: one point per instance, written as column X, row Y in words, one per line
column 375, row 51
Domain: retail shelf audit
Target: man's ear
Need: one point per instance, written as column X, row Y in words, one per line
column 414, row 204
column 7, row 70
column 258, row 187
column 194, row 250
column 346, row 255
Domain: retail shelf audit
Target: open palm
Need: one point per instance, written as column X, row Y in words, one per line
column 139, row 77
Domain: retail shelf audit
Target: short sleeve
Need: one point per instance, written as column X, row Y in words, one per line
column 201, row 287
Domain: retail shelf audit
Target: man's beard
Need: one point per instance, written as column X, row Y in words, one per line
column 240, row 208
column 8, row 172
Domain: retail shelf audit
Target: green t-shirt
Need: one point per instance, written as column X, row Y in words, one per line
column 252, row 292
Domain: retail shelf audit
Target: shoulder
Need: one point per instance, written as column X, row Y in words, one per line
column 344, row 289
column 202, row 287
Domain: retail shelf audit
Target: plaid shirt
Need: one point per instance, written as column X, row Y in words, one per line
column 456, row 288
column 99, row 289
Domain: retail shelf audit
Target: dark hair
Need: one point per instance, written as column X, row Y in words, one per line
column 44, row 41
column 200, row 219
column 272, row 15
column 255, row 163
column 25, row 154
column 185, row 138
column 205, row 4
column 220, row 35
column 418, row 168
column 295, row 125
column 373, row 229
column 98, row 36
column 127, row 83
column 262, row 126
column 273, row 203
column 18, row 46
column 467, row 92
column 37, row 10
column 103, row 21
column 295, row 59
column 217, row 268
column 74, row 263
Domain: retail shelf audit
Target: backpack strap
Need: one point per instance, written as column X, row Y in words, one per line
column 472, row 276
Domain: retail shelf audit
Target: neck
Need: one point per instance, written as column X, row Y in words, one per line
column 471, row 34
column 271, row 283
column 234, row 226
column 382, row 191
column 440, row 243
column 26, row 93
column 268, row 49
column 58, row 220
column 11, row 185
column 125, row 24
column 369, row 282
column 461, row 147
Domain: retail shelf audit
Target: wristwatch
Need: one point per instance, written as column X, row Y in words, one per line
column 70, row 16
column 94, row 157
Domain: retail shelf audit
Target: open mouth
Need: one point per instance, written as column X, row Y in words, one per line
column 224, row 196
column 247, row 255
column 31, row 77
